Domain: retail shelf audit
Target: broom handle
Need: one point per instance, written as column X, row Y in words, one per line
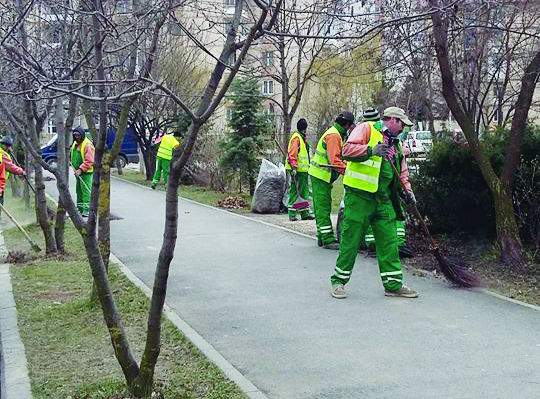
column 35, row 247
column 24, row 177
column 293, row 178
column 415, row 209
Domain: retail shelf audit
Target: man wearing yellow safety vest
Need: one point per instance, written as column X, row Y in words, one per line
column 326, row 166
column 297, row 164
column 165, row 152
column 372, row 115
column 82, row 160
column 372, row 198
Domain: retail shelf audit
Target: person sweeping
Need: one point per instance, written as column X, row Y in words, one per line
column 372, row 198
column 372, row 115
column 82, row 161
column 326, row 166
column 297, row 163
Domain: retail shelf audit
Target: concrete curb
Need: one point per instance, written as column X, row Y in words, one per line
column 15, row 382
column 208, row 350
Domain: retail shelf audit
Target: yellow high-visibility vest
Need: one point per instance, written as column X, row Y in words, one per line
column 86, row 142
column 365, row 175
column 321, row 158
column 2, row 152
column 303, row 156
column 166, row 146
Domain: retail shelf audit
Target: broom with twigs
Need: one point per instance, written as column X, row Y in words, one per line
column 456, row 272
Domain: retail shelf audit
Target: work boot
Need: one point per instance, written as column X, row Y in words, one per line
column 404, row 292
column 338, row 291
column 153, row 186
column 293, row 218
column 308, row 217
column 319, row 242
column 331, row 245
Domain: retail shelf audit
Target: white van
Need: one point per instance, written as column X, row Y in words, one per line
column 419, row 142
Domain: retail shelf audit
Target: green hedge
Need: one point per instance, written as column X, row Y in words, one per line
column 453, row 195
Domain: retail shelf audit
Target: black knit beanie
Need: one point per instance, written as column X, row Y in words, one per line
column 371, row 114
column 301, row 125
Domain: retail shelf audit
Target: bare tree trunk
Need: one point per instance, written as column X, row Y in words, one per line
column 29, row 168
column 42, row 214
column 62, row 167
column 104, row 211
column 512, row 252
column 143, row 383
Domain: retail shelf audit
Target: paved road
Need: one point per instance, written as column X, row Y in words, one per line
column 260, row 296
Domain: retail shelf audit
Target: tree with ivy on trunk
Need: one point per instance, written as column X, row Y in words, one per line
column 246, row 124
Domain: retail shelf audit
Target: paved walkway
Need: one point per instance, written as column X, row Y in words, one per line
column 259, row 296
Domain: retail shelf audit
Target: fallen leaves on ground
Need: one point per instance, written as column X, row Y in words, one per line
column 233, row 203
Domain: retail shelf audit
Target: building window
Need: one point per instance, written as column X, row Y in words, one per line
column 268, row 58
column 268, row 87
column 229, row 3
column 51, row 127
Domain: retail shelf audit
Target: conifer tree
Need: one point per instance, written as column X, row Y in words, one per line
column 246, row 124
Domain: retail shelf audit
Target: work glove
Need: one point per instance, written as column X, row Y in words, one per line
column 409, row 197
column 379, row 150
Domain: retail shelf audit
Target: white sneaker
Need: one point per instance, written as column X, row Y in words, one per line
column 338, row 291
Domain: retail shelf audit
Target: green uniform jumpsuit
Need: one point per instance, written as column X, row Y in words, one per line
column 371, row 198
column 322, row 179
column 83, row 183
column 302, row 179
column 163, row 158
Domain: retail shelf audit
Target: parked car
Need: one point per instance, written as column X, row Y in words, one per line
column 419, row 142
column 128, row 151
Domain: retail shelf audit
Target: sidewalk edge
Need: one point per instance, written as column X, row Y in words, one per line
column 208, row 350
column 15, row 383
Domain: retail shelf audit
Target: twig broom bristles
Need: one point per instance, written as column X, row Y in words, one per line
column 457, row 273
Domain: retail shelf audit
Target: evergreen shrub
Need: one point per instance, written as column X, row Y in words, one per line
column 453, row 195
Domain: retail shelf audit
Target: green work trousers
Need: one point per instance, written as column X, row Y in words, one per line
column 400, row 232
column 162, row 166
column 302, row 180
column 83, row 189
column 322, row 206
column 360, row 212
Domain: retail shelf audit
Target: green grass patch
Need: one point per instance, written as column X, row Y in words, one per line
column 67, row 344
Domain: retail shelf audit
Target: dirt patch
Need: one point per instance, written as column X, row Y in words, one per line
column 59, row 296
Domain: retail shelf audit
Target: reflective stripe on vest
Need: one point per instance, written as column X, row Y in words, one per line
column 2, row 152
column 303, row 156
column 321, row 158
column 166, row 146
column 365, row 175
column 85, row 142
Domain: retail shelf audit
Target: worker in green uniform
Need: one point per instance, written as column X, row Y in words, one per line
column 326, row 166
column 165, row 152
column 372, row 115
column 297, row 165
column 372, row 198
column 82, row 160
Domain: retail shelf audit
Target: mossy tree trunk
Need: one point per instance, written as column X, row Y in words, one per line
column 512, row 252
